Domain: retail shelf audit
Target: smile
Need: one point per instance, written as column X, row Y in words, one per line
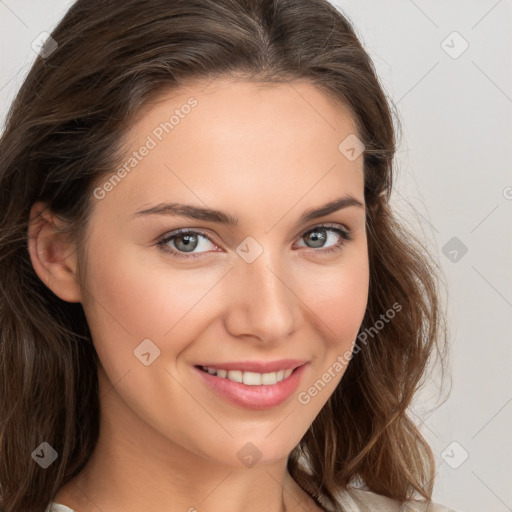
column 249, row 389
column 249, row 378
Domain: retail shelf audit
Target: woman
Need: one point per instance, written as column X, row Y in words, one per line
column 207, row 303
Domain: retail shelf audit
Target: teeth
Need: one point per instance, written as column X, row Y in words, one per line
column 235, row 376
column 250, row 378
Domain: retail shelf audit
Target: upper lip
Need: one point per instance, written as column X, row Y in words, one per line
column 257, row 366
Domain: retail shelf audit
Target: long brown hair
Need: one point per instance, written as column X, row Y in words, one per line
column 63, row 134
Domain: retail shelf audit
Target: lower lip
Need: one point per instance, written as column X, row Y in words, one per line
column 253, row 397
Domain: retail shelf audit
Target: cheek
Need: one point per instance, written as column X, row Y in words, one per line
column 339, row 303
column 339, row 300
column 141, row 297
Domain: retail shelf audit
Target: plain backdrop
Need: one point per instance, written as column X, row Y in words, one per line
column 447, row 67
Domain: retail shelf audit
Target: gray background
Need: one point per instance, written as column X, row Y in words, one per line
column 454, row 188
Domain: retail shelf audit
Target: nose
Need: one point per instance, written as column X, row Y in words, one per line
column 262, row 301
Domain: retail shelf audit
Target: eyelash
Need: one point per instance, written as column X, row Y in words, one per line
column 345, row 237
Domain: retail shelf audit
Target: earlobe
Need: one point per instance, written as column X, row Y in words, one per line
column 54, row 260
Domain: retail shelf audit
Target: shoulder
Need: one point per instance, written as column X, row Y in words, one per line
column 360, row 500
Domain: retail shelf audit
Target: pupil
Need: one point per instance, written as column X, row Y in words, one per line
column 188, row 242
column 317, row 237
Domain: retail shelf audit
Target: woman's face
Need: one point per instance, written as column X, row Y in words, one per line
column 257, row 279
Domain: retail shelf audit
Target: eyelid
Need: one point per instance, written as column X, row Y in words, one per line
column 335, row 225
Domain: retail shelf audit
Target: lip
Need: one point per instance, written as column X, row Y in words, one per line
column 258, row 366
column 253, row 397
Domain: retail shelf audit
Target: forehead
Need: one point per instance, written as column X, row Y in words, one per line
column 249, row 106
column 240, row 139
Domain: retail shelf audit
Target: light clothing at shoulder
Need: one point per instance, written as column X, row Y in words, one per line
column 360, row 500
column 355, row 500
column 57, row 507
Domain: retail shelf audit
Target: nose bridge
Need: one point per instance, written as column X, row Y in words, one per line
column 264, row 304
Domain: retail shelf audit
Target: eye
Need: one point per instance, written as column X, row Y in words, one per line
column 321, row 235
column 183, row 242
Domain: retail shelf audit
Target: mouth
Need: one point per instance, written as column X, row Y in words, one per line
column 252, row 390
column 249, row 378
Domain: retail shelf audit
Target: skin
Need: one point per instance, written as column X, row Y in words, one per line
column 264, row 154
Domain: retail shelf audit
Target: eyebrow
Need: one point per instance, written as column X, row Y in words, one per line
column 211, row 215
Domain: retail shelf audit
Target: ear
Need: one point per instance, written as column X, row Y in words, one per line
column 53, row 259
